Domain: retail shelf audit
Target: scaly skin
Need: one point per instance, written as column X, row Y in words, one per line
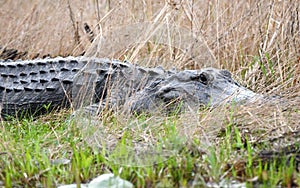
column 29, row 86
column 26, row 87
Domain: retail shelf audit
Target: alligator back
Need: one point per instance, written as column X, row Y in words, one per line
column 34, row 86
column 29, row 86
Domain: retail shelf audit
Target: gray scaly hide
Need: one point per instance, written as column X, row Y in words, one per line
column 32, row 86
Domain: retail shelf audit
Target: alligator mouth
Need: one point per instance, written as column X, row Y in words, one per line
column 234, row 94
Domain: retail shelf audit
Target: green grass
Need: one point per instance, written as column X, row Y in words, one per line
column 31, row 150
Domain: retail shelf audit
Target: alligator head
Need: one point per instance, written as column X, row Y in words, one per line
column 191, row 88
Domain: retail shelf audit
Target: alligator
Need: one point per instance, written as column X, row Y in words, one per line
column 36, row 86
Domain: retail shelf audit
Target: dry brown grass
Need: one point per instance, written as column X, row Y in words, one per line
column 234, row 31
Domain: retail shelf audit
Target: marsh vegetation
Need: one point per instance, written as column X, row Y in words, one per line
column 248, row 145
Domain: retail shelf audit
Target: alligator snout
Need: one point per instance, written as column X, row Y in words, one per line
column 192, row 88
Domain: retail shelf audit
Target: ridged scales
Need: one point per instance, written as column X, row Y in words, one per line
column 28, row 86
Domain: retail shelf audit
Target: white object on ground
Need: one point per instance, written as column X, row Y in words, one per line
column 103, row 181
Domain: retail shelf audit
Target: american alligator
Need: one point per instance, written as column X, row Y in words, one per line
column 32, row 86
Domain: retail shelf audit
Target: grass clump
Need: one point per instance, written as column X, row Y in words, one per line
column 51, row 151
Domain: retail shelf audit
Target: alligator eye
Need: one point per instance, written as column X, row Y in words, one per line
column 203, row 77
